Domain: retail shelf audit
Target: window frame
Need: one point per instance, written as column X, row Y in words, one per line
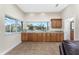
column 16, row 23
column 47, row 27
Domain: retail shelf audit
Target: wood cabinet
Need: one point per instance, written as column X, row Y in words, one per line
column 56, row 23
column 34, row 37
column 53, row 37
column 60, row 37
column 47, row 37
column 56, row 37
column 39, row 37
column 42, row 37
column 24, row 36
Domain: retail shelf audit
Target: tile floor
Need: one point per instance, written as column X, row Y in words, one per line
column 36, row 48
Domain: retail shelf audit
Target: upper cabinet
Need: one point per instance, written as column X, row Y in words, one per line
column 56, row 23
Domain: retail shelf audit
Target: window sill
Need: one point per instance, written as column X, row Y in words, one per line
column 11, row 33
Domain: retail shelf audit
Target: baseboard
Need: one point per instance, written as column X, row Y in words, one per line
column 9, row 49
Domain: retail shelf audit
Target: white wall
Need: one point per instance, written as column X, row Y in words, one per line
column 67, row 28
column 72, row 11
column 43, row 17
column 8, row 41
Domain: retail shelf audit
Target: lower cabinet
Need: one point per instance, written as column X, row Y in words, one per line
column 53, row 37
column 34, row 37
column 48, row 37
column 39, row 37
column 24, row 36
column 42, row 37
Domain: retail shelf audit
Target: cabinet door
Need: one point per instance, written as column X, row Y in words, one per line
column 35, row 37
column 60, row 37
column 39, row 37
column 53, row 37
column 48, row 37
column 24, row 36
column 44, row 37
column 56, row 23
column 59, row 23
column 30, row 37
column 53, row 23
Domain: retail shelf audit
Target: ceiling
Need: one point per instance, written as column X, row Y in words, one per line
column 42, row 7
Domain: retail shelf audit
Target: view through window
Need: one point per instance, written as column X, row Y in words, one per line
column 12, row 25
column 36, row 26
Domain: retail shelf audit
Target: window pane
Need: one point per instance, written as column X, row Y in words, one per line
column 12, row 25
column 19, row 26
column 36, row 26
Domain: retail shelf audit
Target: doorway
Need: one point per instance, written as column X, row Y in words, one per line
column 69, row 28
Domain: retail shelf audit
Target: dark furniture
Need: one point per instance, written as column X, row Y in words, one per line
column 69, row 47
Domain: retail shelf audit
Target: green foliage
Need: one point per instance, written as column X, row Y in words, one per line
column 38, row 27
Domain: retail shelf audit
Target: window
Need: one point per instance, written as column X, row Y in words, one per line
column 36, row 26
column 19, row 26
column 12, row 25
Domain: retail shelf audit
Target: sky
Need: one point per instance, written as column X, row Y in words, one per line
column 10, row 21
column 38, row 23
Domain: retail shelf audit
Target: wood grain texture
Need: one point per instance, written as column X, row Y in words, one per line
column 56, row 23
column 42, row 37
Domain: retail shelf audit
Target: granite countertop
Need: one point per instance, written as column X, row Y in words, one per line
column 45, row 32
